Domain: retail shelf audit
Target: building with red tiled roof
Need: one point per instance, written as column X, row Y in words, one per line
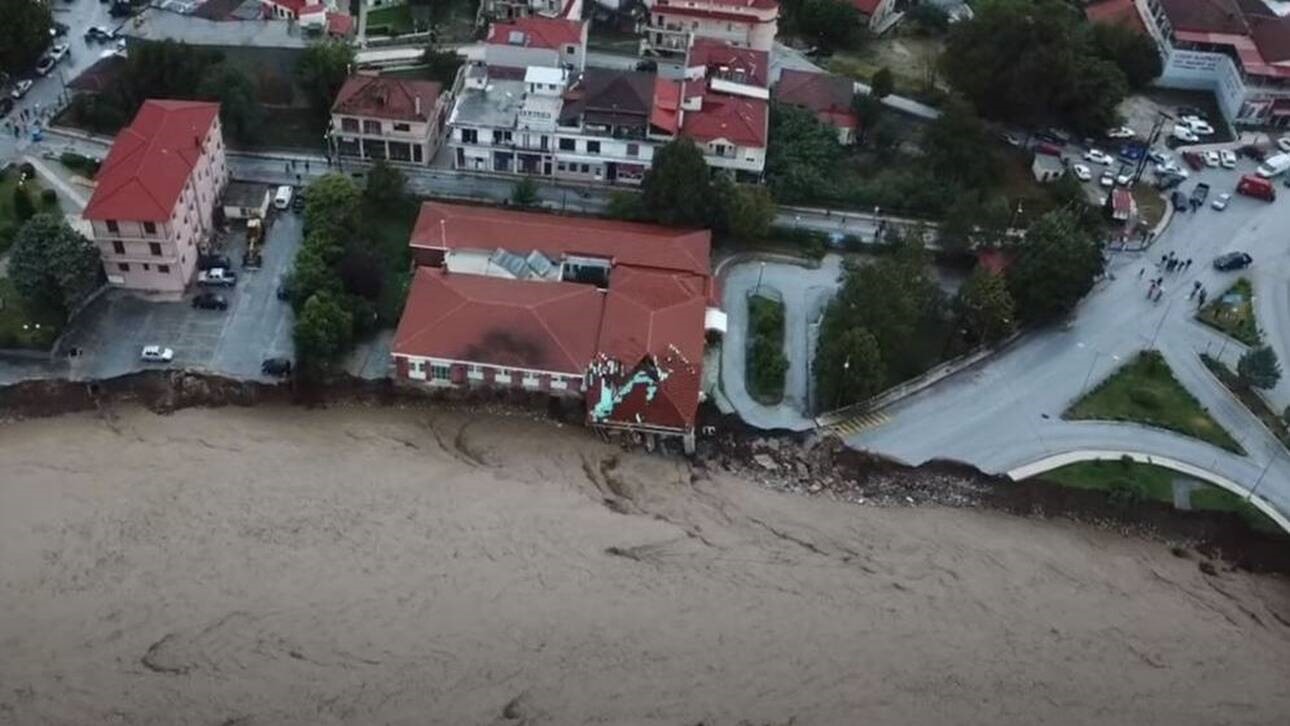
column 874, row 11
column 1240, row 49
column 614, row 312
column 379, row 117
column 826, row 95
column 1123, row 13
column 708, row 58
column 155, row 193
column 283, row 9
column 537, row 41
column 671, row 26
column 731, row 130
column 503, row 10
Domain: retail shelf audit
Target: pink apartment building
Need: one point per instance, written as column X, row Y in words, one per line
column 155, row 194
column 670, row 26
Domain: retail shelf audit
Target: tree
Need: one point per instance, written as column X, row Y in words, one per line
column 800, row 155
column 53, row 266
column 986, row 308
column 974, row 220
column 1054, row 267
column 332, row 206
column 626, row 205
column 240, row 111
column 386, row 186
column 882, row 83
column 524, row 193
column 958, row 147
column 322, row 70
column 312, row 274
column 831, row 23
column 870, row 112
column 24, row 34
column 23, row 209
column 322, row 332
column 441, row 65
column 848, row 369
column 1134, row 53
column 1259, row 368
column 677, row 189
column 748, row 209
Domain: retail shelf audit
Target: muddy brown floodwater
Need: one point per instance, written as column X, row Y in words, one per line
column 379, row 566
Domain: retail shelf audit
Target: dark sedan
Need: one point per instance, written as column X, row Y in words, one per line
column 1232, row 261
column 210, row 301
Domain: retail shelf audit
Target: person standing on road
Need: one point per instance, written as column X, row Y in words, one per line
column 1187, row 266
column 1141, row 271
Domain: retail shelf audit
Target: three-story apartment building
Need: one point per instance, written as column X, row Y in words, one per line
column 611, row 122
column 377, row 117
column 670, row 26
column 504, row 125
column 512, row 9
column 152, row 206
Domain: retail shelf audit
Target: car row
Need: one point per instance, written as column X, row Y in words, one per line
column 271, row 366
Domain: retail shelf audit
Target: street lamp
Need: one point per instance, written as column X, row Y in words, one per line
column 760, row 273
column 1088, row 376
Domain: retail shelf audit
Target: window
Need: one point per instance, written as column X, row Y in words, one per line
column 371, row 127
column 440, row 371
column 149, row 228
column 469, row 136
column 586, row 168
column 163, row 269
column 593, row 147
column 146, row 267
column 560, row 166
column 719, row 149
column 568, row 145
column 112, row 226
column 154, row 248
column 349, row 124
column 118, row 247
column 570, row 49
column 633, row 149
column 123, row 266
column 402, row 127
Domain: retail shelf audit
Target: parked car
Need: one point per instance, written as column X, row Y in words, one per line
column 1097, row 156
column 120, row 9
column 276, row 367
column 1011, row 139
column 58, row 51
column 1120, row 132
column 1133, row 151
column 45, row 65
column 1159, row 157
column 20, row 88
column 217, row 277
column 1199, row 194
column 1194, row 160
column 1232, row 261
column 1124, row 178
column 1284, row 143
column 1083, row 173
column 1169, row 181
column 1257, row 187
column 1220, row 202
column 1048, row 148
column 58, row 29
column 1180, row 201
column 207, row 262
column 156, row 354
column 210, row 301
column 298, row 202
column 1107, row 180
column 1211, row 159
column 1253, row 151
column 99, row 33
column 1196, row 125
column 1227, row 159
column 1184, row 134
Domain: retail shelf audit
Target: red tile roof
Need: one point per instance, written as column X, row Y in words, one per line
column 714, row 55
column 385, row 97
column 340, row 24
column 1116, row 12
column 827, row 95
column 295, row 6
column 868, row 7
column 151, row 160
column 741, row 121
column 1205, row 16
column 737, row 4
column 538, row 32
column 461, row 226
column 546, row 326
column 665, row 111
column 1272, row 36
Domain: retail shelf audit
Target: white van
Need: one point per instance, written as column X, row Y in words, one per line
column 1274, row 165
column 282, row 200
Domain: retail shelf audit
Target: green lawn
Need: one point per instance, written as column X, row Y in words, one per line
column 8, row 223
column 1145, row 391
column 766, row 364
column 1251, row 400
column 390, row 230
column 1234, row 317
column 1147, row 482
column 21, row 327
column 1151, row 206
column 389, row 20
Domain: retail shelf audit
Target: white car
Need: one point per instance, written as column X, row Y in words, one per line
column 58, row 51
column 1124, row 178
column 1211, row 159
column 1120, row 132
column 1220, row 202
column 1083, row 173
column 1098, row 156
column 1185, row 134
column 1202, row 129
column 20, row 88
column 1107, row 180
column 1172, row 168
column 1227, row 158
column 1284, row 143
column 156, row 354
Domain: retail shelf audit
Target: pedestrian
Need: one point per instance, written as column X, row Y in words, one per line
column 1188, row 265
column 286, row 168
column 1202, row 298
column 1140, row 271
column 306, row 165
column 1163, row 260
column 1169, row 266
column 298, row 178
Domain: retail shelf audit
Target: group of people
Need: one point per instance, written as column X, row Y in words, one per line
column 26, row 119
column 1169, row 263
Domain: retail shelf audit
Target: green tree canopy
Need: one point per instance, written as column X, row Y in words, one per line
column 386, row 186
column 23, row 209
column 1134, row 53
column 322, row 332
column 958, row 147
column 1054, row 267
column 322, row 70
column 831, row 23
column 848, row 368
column 52, row 265
column 524, row 193
column 24, row 33
column 1259, row 368
column 240, row 111
column 882, row 84
column 441, row 65
column 985, row 307
column 677, row 189
column 800, row 153
column 748, row 209
column 332, row 206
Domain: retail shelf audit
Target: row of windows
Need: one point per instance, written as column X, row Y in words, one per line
column 371, row 127
column 443, row 372
column 125, row 267
column 154, row 248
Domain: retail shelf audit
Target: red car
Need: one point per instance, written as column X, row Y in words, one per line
column 1257, row 187
column 1048, row 148
column 1194, row 160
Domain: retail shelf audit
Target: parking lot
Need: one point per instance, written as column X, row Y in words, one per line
column 111, row 332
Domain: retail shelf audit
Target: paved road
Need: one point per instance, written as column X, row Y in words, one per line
column 1006, row 412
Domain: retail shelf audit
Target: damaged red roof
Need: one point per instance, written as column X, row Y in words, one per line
column 385, row 97
column 827, row 95
column 536, row 31
column 741, row 121
column 716, row 55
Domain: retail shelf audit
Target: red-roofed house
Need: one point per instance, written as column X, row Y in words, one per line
column 512, row 9
column 537, row 41
column 155, row 193
column 378, row 117
column 614, row 312
column 1239, row 49
column 283, row 9
column 672, row 25
column 874, row 11
column 326, row 19
column 732, row 130
column 708, row 58
column 1123, row 13
column 827, row 96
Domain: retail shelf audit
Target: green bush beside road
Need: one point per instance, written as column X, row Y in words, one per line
column 1236, row 318
column 766, row 363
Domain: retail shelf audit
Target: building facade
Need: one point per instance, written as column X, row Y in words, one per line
column 537, row 41
column 376, row 117
column 151, row 211
column 825, row 95
column 670, row 26
column 504, row 10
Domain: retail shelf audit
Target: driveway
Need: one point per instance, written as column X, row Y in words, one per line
column 235, row 342
column 805, row 293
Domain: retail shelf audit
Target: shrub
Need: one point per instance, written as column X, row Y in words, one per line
column 1126, row 493
column 48, row 197
column 1145, row 398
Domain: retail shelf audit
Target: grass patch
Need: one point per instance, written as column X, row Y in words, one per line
column 765, row 361
column 287, row 128
column 1234, row 317
column 1131, row 481
column 390, row 230
column 8, row 220
column 79, row 163
column 1251, row 400
column 1151, row 206
column 911, row 60
column 1145, row 391
column 390, row 20
column 18, row 322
